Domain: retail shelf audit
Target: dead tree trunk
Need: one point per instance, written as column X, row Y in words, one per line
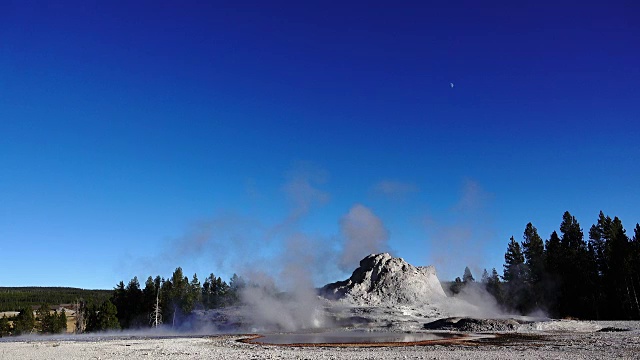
column 81, row 324
column 635, row 296
column 626, row 283
column 156, row 316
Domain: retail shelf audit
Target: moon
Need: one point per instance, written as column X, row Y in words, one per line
column 451, row 84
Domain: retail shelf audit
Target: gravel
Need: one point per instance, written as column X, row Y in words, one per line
column 532, row 345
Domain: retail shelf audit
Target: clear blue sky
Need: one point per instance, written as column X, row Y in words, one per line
column 135, row 138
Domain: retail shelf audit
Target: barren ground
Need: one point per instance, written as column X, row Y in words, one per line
column 541, row 344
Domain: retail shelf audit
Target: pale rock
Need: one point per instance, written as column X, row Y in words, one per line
column 382, row 280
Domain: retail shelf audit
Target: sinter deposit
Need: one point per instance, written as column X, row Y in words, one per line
column 382, row 280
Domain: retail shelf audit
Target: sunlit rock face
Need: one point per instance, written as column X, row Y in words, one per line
column 382, row 280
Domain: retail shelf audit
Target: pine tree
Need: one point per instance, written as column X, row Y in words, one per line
column 514, row 262
column 194, row 294
column 514, row 275
column 575, row 299
column 24, row 322
column 119, row 299
column 61, row 322
column 494, row 287
column 107, row 317
column 554, row 254
column 209, row 296
column 613, row 256
column 134, row 315
column 45, row 319
column 179, row 297
column 485, row 277
column 533, row 251
column 467, row 277
column 149, row 296
column 598, row 234
column 221, row 289
column 236, row 284
column 572, row 236
column 618, row 255
column 456, row 286
column 91, row 317
column 554, row 257
column 5, row 327
column 634, row 248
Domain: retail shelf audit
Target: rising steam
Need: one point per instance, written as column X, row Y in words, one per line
column 364, row 234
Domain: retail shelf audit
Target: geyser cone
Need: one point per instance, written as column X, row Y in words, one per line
column 382, row 280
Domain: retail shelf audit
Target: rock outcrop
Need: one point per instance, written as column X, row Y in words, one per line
column 382, row 280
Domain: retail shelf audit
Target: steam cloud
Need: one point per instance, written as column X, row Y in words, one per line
column 364, row 234
column 394, row 189
column 459, row 237
column 298, row 307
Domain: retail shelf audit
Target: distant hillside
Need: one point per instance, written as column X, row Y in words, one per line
column 15, row 298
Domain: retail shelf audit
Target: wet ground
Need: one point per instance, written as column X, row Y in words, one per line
column 352, row 338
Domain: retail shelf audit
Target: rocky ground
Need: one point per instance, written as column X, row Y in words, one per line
column 532, row 344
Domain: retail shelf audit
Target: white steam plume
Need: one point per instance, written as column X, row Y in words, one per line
column 298, row 306
column 364, row 234
column 460, row 236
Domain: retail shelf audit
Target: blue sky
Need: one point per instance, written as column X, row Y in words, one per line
column 135, row 138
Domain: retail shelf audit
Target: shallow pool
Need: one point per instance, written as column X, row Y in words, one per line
column 350, row 337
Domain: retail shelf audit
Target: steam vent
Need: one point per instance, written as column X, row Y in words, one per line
column 382, row 280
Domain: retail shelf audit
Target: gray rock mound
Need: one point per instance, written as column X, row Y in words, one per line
column 474, row 325
column 382, row 280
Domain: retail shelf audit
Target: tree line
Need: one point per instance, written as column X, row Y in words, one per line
column 568, row 276
column 43, row 322
column 15, row 298
column 162, row 301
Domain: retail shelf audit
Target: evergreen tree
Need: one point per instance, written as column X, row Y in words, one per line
column 598, row 234
column 554, row 256
column 514, row 262
column 221, row 290
column 5, row 327
column 634, row 248
column 166, row 292
column 575, row 298
column 91, row 317
column 612, row 252
column 236, row 284
column 46, row 321
column 533, row 251
column 598, row 264
column 514, row 275
column 24, row 322
column 214, row 292
column 149, row 294
column 494, row 286
column 62, row 322
column 195, row 293
column 119, row 299
column 467, row 277
column 572, row 236
column 485, row 277
column 618, row 276
column 177, row 297
column 456, row 286
column 107, row 318
column 134, row 315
